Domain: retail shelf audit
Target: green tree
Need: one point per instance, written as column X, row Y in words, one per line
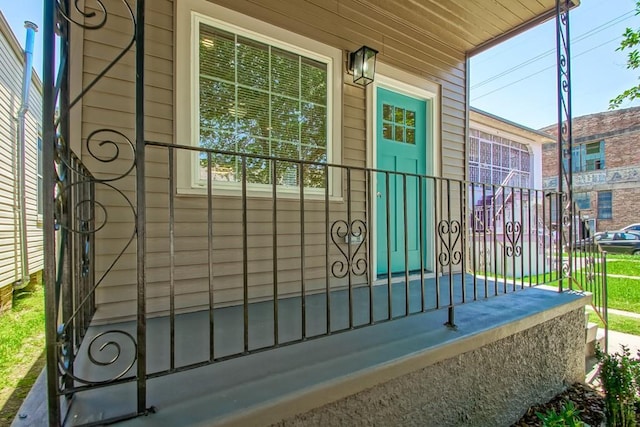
column 630, row 41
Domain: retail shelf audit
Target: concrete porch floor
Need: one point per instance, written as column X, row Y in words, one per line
column 267, row 384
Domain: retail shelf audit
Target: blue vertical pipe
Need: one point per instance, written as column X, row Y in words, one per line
column 21, row 163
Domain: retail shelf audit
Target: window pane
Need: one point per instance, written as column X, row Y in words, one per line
column 217, row 140
column 399, row 133
column 217, row 106
column 285, row 73
column 314, row 175
column 258, row 169
column 473, row 149
column 253, row 63
column 285, row 119
column 217, row 53
column 593, row 148
column 411, row 118
column 583, row 200
column 604, row 205
column 411, row 136
column 314, row 125
column 314, row 81
column 505, row 157
column 285, row 150
column 399, row 116
column 252, row 113
column 387, row 112
column 387, row 130
column 525, row 161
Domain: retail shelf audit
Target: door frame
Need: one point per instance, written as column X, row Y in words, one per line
column 396, row 80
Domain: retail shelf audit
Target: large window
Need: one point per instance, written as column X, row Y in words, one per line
column 587, row 157
column 254, row 89
column 605, row 205
column 497, row 160
column 259, row 99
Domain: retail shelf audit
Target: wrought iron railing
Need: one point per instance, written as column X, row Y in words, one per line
column 368, row 245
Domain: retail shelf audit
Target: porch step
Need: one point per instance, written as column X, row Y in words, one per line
column 595, row 336
column 592, row 331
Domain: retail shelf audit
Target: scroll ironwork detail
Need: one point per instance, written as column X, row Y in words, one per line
column 513, row 243
column 78, row 216
column 449, row 232
column 356, row 262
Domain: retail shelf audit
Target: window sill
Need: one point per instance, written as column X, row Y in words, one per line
column 253, row 191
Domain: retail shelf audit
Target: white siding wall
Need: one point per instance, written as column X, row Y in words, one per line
column 10, row 90
column 111, row 104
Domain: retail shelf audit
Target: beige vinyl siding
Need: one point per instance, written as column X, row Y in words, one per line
column 346, row 26
column 10, row 93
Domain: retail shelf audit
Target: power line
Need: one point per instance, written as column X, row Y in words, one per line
column 584, row 36
column 542, row 70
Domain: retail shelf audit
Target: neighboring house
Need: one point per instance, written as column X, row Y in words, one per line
column 243, row 234
column 14, row 269
column 606, row 167
column 501, row 152
column 505, row 166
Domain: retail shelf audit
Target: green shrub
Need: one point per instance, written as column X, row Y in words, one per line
column 569, row 416
column 619, row 375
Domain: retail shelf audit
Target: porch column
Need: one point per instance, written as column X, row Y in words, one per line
column 564, row 206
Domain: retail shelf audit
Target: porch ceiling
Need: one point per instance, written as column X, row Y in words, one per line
column 468, row 25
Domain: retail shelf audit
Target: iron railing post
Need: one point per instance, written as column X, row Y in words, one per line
column 141, row 217
column 564, row 137
column 605, row 304
column 48, row 144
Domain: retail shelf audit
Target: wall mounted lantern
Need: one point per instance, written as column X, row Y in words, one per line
column 362, row 63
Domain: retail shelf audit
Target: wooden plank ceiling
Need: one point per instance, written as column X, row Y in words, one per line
column 463, row 24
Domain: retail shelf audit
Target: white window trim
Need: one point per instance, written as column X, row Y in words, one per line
column 188, row 15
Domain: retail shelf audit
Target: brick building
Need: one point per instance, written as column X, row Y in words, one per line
column 606, row 167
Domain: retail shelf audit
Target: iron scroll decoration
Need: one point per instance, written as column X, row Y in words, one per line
column 84, row 217
column 565, row 238
column 449, row 232
column 343, row 232
column 513, row 233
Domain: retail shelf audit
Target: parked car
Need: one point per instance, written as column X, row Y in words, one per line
column 632, row 227
column 622, row 242
column 587, row 243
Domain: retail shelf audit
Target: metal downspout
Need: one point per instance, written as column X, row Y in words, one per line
column 21, row 207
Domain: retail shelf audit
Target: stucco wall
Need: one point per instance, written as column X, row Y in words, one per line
column 490, row 386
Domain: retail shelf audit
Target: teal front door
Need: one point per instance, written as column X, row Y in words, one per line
column 401, row 146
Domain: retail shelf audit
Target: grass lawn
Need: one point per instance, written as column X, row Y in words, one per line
column 628, row 325
column 624, row 294
column 624, row 266
column 21, row 351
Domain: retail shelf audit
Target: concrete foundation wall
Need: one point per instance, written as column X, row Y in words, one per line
column 490, row 386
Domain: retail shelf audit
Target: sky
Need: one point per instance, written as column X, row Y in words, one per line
column 18, row 11
column 515, row 80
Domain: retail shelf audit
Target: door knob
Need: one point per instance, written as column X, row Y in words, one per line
column 378, row 194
